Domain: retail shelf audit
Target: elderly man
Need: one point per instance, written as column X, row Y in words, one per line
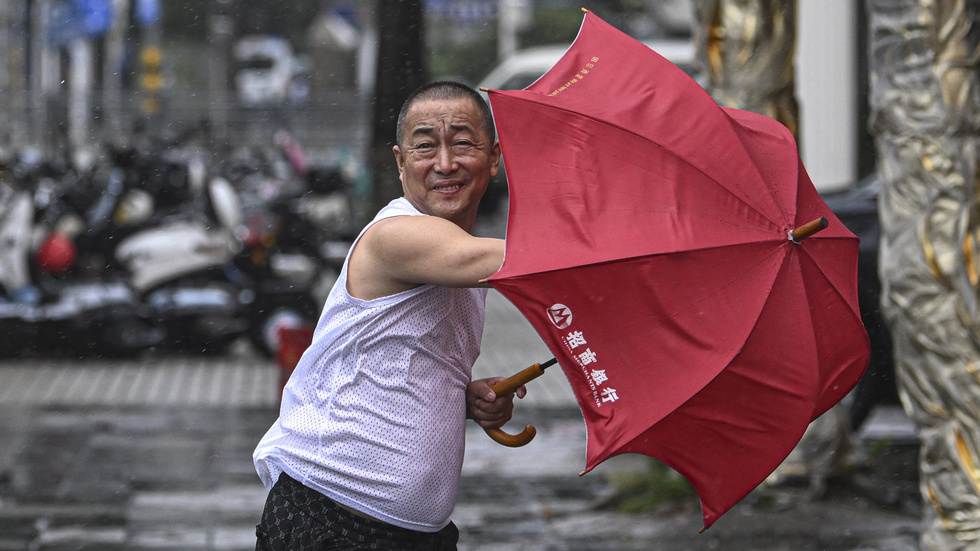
column 368, row 448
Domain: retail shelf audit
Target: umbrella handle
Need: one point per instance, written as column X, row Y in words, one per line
column 511, row 384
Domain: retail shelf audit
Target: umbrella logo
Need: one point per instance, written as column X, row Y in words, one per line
column 560, row 315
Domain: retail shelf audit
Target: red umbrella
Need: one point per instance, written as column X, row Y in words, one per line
column 650, row 244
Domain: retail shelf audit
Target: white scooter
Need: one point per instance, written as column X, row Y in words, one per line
column 181, row 265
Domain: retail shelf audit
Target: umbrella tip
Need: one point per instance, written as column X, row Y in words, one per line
column 808, row 229
column 484, row 89
column 584, row 10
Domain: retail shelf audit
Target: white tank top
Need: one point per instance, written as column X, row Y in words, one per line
column 374, row 414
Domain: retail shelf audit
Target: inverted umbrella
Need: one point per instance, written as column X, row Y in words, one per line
column 650, row 242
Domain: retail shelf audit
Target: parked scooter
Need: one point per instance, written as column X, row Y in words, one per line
column 168, row 230
column 41, row 311
column 151, row 250
column 297, row 226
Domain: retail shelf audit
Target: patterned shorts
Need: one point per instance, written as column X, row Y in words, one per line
column 297, row 518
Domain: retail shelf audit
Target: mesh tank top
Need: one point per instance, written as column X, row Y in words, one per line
column 374, row 414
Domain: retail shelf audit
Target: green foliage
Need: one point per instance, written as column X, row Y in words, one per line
column 552, row 25
column 646, row 491
column 185, row 19
column 188, row 19
column 879, row 447
column 466, row 56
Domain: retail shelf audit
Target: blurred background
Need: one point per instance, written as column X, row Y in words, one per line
column 182, row 174
column 188, row 175
column 79, row 73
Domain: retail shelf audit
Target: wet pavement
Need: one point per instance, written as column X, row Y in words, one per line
column 155, row 454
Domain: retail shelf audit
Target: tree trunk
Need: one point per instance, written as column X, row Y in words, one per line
column 747, row 47
column 400, row 70
column 925, row 115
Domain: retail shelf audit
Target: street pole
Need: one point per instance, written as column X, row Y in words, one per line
column 79, row 95
column 16, row 49
column 400, row 70
column 512, row 16
column 112, row 77
column 39, row 99
column 5, row 25
column 220, row 29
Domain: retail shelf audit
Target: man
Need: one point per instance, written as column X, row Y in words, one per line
column 367, row 451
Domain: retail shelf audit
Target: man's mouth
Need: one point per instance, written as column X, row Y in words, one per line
column 447, row 187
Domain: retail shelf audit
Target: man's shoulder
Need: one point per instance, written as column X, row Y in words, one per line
column 399, row 230
column 398, row 207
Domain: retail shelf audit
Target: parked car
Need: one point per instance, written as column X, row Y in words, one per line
column 857, row 208
column 265, row 70
column 521, row 69
column 526, row 66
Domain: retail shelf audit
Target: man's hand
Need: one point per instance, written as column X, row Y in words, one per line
column 485, row 407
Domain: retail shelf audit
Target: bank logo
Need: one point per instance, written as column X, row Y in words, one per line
column 560, row 315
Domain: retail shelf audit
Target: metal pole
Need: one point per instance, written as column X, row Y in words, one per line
column 79, row 94
column 220, row 28
column 6, row 24
column 16, row 49
column 39, row 100
column 112, row 77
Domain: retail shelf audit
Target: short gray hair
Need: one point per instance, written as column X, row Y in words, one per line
column 444, row 90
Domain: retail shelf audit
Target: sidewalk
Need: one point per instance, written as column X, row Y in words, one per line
column 155, row 454
column 243, row 379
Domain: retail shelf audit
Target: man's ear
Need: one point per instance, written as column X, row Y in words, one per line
column 494, row 159
column 399, row 160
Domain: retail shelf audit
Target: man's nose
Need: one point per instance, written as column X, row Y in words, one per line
column 446, row 160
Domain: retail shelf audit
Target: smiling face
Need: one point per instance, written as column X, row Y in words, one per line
column 446, row 159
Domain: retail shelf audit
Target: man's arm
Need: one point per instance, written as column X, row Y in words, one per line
column 403, row 252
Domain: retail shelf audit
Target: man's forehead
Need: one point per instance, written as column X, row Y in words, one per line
column 454, row 112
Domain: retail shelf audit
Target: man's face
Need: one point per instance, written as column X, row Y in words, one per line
column 445, row 159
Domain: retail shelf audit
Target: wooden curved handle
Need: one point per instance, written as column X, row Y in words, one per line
column 511, row 384
column 512, row 440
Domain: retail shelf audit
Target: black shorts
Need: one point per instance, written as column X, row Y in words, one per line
column 297, row 518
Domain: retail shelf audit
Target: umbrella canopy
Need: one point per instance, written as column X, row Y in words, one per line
column 648, row 243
